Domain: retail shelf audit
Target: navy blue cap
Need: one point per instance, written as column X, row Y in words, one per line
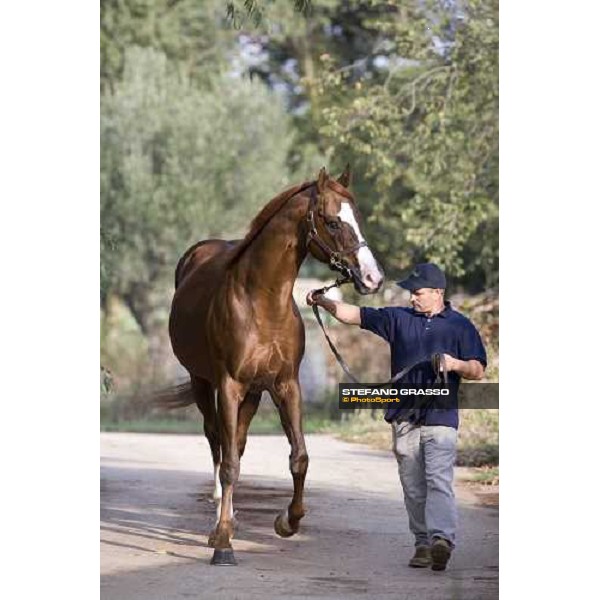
column 425, row 275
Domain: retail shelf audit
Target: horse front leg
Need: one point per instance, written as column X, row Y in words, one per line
column 229, row 399
column 288, row 398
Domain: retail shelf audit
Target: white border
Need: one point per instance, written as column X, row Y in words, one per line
column 49, row 243
column 548, row 191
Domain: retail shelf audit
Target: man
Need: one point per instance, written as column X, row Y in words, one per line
column 425, row 444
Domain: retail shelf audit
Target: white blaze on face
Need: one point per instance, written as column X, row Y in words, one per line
column 369, row 271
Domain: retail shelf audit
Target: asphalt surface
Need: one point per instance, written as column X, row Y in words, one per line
column 354, row 541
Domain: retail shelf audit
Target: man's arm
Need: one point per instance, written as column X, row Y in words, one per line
column 468, row 369
column 346, row 313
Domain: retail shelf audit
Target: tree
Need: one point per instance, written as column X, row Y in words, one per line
column 285, row 47
column 180, row 164
column 422, row 126
column 241, row 12
column 194, row 35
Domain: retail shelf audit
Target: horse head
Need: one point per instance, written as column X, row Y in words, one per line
column 334, row 235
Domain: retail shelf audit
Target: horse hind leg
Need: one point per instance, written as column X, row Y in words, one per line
column 204, row 395
column 231, row 394
column 246, row 413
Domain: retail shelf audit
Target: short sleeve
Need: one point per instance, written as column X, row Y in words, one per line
column 378, row 321
column 470, row 345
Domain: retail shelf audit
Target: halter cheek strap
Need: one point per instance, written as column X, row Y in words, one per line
column 336, row 260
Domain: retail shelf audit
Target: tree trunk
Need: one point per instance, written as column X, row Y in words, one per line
column 148, row 310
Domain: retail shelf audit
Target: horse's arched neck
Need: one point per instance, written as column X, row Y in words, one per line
column 270, row 265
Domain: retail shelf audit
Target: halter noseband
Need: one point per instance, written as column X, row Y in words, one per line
column 336, row 260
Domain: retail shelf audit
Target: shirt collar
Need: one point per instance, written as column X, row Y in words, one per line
column 446, row 311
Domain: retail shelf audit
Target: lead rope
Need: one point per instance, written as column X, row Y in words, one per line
column 438, row 361
column 338, row 282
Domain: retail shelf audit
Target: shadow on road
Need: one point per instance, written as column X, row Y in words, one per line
column 155, row 523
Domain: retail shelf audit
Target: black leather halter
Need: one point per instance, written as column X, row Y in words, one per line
column 335, row 257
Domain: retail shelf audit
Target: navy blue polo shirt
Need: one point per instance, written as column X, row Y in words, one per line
column 414, row 336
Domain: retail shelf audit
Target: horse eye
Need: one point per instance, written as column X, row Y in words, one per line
column 332, row 224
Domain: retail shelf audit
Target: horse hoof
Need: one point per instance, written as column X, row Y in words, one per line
column 282, row 526
column 223, row 558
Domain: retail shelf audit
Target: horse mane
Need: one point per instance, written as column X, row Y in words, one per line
column 264, row 216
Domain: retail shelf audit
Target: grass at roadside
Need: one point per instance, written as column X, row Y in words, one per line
column 486, row 475
column 144, row 425
column 477, row 439
column 477, row 442
column 262, row 424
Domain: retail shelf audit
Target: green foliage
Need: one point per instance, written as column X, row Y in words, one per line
column 291, row 45
column 123, row 351
column 407, row 91
column 179, row 164
column 422, row 128
column 478, row 442
column 243, row 12
column 191, row 33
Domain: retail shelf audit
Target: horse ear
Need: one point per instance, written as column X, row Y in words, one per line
column 345, row 178
column 322, row 180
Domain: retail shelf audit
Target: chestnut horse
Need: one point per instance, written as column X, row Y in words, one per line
column 235, row 327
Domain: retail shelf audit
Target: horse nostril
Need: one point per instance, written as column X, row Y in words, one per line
column 372, row 281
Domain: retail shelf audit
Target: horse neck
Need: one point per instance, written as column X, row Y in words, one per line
column 270, row 265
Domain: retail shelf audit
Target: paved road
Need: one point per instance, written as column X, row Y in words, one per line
column 353, row 542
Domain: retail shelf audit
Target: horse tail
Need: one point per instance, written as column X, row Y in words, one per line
column 175, row 396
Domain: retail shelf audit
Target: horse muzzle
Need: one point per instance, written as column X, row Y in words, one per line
column 369, row 282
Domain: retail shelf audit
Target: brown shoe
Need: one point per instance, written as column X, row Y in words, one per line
column 421, row 559
column 440, row 554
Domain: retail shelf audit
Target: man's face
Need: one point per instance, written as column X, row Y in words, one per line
column 426, row 299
